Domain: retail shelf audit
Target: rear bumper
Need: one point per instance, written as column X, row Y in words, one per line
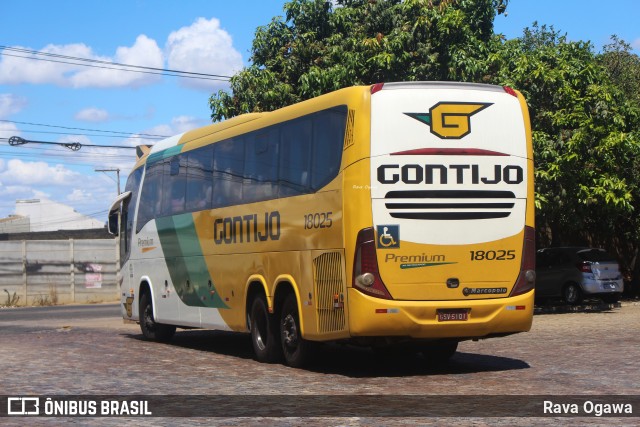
column 595, row 286
column 370, row 317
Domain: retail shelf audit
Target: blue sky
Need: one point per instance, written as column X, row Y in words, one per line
column 206, row 36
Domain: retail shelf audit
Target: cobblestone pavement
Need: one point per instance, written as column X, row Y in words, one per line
column 595, row 353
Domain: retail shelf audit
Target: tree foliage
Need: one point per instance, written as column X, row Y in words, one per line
column 585, row 127
column 585, row 107
column 317, row 48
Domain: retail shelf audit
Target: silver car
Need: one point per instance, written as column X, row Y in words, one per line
column 575, row 272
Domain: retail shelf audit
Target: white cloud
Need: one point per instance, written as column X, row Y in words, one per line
column 88, row 193
column 95, row 115
column 11, row 104
column 636, row 44
column 144, row 52
column 179, row 124
column 37, row 194
column 78, row 195
column 182, row 124
column 203, row 47
column 17, row 172
column 8, row 130
column 15, row 70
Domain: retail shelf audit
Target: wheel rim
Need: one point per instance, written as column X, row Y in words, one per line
column 289, row 332
column 148, row 319
column 571, row 293
column 260, row 327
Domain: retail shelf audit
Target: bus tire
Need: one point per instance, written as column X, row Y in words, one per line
column 150, row 329
column 438, row 353
column 264, row 337
column 296, row 349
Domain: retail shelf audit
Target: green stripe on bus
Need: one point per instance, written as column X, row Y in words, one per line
column 170, row 152
column 164, row 154
column 153, row 158
column 186, row 264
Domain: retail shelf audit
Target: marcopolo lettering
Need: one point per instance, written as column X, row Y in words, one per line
column 444, row 174
column 247, row 228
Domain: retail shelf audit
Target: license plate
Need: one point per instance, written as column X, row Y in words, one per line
column 610, row 286
column 453, row 315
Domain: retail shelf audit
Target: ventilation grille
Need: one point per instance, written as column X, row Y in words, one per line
column 449, row 204
column 329, row 288
column 348, row 136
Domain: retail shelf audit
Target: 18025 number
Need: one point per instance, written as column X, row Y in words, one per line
column 499, row 255
column 318, row 220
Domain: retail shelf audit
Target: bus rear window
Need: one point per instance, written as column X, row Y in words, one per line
column 596, row 255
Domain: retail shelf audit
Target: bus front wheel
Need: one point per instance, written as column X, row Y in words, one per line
column 264, row 335
column 295, row 348
column 150, row 329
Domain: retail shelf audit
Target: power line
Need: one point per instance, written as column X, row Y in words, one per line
column 76, row 134
column 97, row 61
column 113, row 68
column 132, row 134
column 74, row 146
column 162, row 72
column 77, row 159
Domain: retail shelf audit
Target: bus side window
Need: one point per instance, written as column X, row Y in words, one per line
column 295, row 156
column 199, row 179
column 261, row 166
column 328, row 132
column 174, row 185
column 151, row 194
column 228, row 171
column 129, row 209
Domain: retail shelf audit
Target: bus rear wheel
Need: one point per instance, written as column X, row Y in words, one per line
column 152, row 330
column 296, row 349
column 264, row 336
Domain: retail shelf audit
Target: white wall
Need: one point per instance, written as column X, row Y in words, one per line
column 14, row 224
column 47, row 215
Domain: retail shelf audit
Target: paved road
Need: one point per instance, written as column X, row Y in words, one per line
column 61, row 312
column 87, row 350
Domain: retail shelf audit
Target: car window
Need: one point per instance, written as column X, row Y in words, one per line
column 595, row 255
column 562, row 258
column 543, row 259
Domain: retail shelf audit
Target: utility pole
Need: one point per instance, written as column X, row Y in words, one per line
column 117, row 171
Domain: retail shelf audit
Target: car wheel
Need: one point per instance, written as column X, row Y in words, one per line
column 264, row 338
column 296, row 349
column 572, row 294
column 150, row 328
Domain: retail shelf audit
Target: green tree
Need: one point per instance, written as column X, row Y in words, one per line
column 623, row 67
column 318, row 48
column 586, row 140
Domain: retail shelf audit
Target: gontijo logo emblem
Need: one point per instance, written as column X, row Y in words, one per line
column 450, row 120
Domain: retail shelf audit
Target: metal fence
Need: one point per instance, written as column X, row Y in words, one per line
column 42, row 272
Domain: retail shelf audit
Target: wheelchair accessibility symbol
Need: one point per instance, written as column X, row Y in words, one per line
column 388, row 236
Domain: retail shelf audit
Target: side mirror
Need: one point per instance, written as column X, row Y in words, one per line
column 113, row 224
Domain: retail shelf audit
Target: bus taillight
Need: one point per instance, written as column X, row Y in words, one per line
column 510, row 91
column 527, row 278
column 366, row 276
column 376, row 87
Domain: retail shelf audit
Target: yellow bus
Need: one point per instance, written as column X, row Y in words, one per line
column 393, row 215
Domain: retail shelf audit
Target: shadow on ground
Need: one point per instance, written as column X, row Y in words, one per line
column 347, row 360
